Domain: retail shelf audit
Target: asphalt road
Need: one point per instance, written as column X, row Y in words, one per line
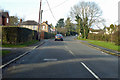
column 64, row 59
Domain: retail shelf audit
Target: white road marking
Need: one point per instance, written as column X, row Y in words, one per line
column 71, row 52
column 17, row 58
column 35, row 47
column 91, row 71
column 50, row 60
column 14, row 59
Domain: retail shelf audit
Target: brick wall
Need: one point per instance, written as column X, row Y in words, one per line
column 42, row 35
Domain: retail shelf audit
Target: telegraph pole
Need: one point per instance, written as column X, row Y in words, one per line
column 39, row 21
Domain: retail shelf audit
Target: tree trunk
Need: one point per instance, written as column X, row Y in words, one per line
column 84, row 34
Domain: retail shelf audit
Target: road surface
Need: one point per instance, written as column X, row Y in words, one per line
column 64, row 59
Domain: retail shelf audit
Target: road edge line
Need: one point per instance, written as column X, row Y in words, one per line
column 90, row 71
column 11, row 61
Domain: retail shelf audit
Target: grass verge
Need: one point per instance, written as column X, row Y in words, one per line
column 20, row 45
column 104, row 44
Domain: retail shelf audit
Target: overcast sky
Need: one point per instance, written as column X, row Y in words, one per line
column 29, row 9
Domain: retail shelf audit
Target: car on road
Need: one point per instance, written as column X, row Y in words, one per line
column 58, row 37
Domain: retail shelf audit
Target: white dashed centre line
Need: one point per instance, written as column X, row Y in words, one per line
column 70, row 51
column 91, row 71
column 85, row 65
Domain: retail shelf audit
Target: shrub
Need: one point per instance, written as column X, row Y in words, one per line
column 48, row 35
column 100, row 37
column 116, row 38
column 14, row 35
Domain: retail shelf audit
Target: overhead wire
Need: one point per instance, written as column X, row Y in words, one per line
column 51, row 10
column 58, row 5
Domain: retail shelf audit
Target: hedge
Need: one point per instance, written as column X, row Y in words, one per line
column 14, row 35
column 104, row 37
column 48, row 35
column 116, row 38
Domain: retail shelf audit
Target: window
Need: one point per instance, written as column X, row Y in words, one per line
column 43, row 27
column 7, row 20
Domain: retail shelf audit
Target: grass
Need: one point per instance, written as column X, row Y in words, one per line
column 4, row 52
column 20, row 45
column 104, row 44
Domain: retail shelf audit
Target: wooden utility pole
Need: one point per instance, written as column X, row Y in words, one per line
column 39, row 21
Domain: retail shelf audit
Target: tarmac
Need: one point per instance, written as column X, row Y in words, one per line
column 15, row 52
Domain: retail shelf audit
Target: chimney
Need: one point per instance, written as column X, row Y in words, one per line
column 46, row 22
column 20, row 21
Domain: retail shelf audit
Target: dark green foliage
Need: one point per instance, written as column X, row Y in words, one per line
column 116, row 38
column 69, row 26
column 107, row 38
column 48, row 35
column 82, row 25
column 60, row 23
column 100, row 37
column 14, row 20
column 15, row 35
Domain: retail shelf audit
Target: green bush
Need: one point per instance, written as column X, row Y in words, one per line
column 116, row 38
column 14, row 35
column 48, row 35
column 100, row 37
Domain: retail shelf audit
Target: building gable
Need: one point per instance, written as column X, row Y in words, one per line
column 29, row 22
column 4, row 18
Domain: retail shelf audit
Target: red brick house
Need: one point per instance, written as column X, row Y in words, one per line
column 4, row 19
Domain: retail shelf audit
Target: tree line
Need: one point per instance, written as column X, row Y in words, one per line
column 85, row 14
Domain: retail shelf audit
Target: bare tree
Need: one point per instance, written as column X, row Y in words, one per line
column 89, row 10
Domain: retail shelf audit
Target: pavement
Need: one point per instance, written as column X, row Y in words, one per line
column 64, row 59
column 15, row 52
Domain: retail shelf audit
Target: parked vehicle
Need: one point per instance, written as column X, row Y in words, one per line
column 58, row 37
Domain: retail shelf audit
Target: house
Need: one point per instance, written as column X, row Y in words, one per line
column 53, row 29
column 46, row 27
column 30, row 24
column 95, row 31
column 4, row 18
